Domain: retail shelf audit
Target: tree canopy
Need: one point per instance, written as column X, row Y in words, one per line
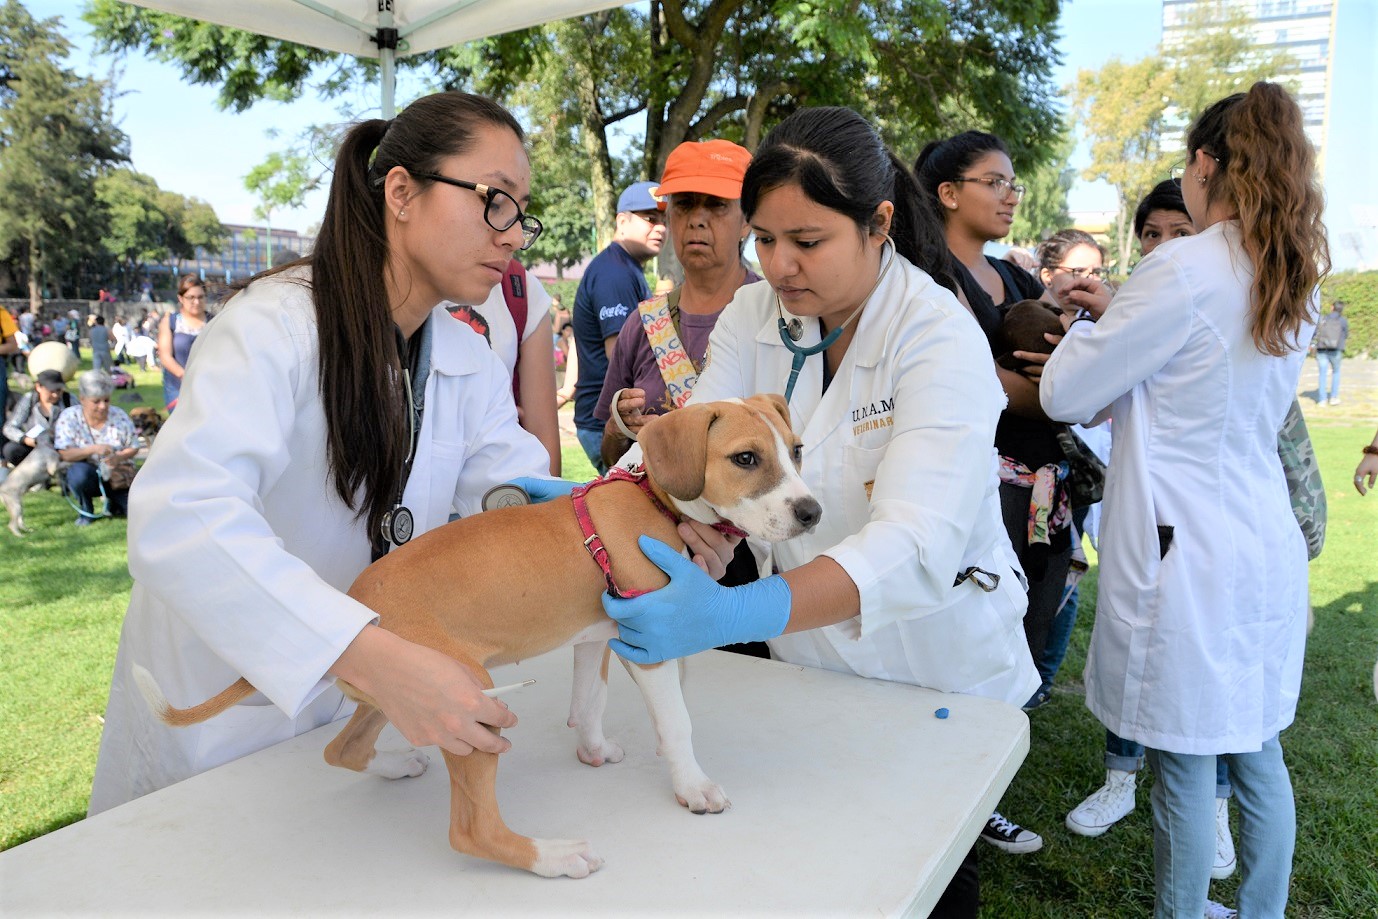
column 54, row 140
column 691, row 69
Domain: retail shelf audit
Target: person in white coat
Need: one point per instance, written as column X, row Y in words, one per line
column 1201, row 620
column 910, row 575
column 295, row 457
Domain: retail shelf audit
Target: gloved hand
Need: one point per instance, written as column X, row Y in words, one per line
column 693, row 612
column 542, row 490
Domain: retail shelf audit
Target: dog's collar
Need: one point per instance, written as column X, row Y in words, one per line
column 594, row 543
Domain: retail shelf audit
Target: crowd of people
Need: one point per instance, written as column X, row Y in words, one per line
column 953, row 516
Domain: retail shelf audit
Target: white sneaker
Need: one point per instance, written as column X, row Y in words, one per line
column 1334, row 401
column 1224, row 843
column 1106, row 805
column 1219, row 911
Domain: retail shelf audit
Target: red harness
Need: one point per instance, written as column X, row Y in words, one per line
column 594, row 543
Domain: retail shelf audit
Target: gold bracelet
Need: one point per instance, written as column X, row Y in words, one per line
column 1371, row 450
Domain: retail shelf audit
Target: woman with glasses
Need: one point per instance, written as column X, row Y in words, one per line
column 1201, row 616
column 332, row 410
column 177, row 332
column 971, row 181
column 1071, row 253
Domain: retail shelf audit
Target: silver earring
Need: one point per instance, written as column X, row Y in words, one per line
column 402, row 213
column 1199, row 179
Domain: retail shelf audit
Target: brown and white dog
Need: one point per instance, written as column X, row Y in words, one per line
column 731, row 461
column 147, row 423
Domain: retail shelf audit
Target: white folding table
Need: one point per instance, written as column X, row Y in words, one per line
column 849, row 796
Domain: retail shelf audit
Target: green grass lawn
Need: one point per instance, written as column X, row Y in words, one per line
column 65, row 589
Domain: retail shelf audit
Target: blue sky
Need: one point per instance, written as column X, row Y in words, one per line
column 179, row 137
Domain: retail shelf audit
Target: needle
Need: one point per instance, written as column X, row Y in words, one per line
column 500, row 690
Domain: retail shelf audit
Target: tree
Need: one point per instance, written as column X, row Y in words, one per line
column 692, row 68
column 1122, row 108
column 283, row 180
column 136, row 229
column 1134, row 113
column 1044, row 209
column 54, row 140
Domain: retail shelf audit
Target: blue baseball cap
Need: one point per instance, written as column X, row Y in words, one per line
column 638, row 197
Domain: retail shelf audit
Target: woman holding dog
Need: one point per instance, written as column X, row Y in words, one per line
column 332, row 410
column 909, row 576
column 1203, row 595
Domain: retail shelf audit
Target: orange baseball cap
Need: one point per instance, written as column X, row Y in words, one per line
column 710, row 167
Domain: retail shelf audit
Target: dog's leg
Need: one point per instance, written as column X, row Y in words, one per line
column 660, row 688
column 15, row 505
column 477, row 828
column 589, row 699
column 356, row 748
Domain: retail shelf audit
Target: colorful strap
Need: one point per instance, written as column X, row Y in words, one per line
column 1049, row 508
column 660, row 320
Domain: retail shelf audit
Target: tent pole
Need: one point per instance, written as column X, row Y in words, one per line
column 386, row 39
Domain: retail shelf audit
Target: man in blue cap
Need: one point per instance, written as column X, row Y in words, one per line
column 613, row 284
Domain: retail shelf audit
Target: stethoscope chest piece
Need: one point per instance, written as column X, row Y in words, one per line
column 398, row 526
column 506, row 495
column 795, row 329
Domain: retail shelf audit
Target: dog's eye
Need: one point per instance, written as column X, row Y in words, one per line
column 746, row 459
column 798, row 454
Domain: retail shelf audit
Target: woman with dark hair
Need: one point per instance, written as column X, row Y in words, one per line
column 332, row 410
column 1203, row 567
column 1070, row 252
column 178, row 331
column 909, row 575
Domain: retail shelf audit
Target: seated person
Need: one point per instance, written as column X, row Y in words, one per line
column 91, row 435
column 33, row 417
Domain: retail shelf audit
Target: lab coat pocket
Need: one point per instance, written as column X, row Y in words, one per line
column 442, row 477
column 859, row 478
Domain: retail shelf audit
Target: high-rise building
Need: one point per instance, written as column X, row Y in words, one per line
column 1304, row 29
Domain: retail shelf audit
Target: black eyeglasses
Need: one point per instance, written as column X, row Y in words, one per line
column 502, row 211
column 1081, row 272
column 1002, row 187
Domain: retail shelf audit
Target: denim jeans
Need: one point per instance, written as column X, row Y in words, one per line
column 1128, row 756
column 591, row 440
column 83, row 481
column 1184, row 831
column 1328, row 360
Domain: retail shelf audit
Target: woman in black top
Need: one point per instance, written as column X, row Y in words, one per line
column 972, row 183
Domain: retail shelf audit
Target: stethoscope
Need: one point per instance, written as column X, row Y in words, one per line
column 793, row 330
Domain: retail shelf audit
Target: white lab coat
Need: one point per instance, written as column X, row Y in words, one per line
column 899, row 452
column 1201, row 652
column 241, row 549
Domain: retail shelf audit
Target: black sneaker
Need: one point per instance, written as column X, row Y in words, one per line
column 1010, row 837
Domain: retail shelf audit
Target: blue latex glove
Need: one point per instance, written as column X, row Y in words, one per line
column 693, row 612
column 542, row 490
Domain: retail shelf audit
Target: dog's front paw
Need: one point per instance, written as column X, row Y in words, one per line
column 565, row 858
column 598, row 754
column 702, row 797
column 398, row 764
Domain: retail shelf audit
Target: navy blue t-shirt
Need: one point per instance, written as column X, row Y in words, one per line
column 612, row 286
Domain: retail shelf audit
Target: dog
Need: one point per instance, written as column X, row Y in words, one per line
column 1023, row 328
column 35, row 469
column 736, row 461
column 147, row 423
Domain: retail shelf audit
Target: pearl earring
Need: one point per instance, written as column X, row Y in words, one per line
column 402, row 213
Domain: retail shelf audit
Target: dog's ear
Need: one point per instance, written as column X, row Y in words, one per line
column 675, row 447
column 772, row 402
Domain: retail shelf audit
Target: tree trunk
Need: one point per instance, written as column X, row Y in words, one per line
column 35, row 277
column 592, row 131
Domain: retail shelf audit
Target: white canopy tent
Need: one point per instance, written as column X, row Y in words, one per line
column 385, row 29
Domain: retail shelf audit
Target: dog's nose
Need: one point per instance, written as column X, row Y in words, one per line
column 808, row 512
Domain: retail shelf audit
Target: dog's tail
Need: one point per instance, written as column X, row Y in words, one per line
column 182, row 717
